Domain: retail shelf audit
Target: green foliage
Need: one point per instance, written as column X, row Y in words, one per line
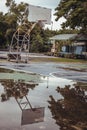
column 16, row 89
column 37, row 45
column 2, row 40
column 17, row 14
column 68, row 31
column 70, row 111
column 3, row 28
column 9, row 22
column 74, row 12
column 19, row 11
column 39, row 39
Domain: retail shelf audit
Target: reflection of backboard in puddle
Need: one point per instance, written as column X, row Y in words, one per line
column 37, row 13
column 30, row 116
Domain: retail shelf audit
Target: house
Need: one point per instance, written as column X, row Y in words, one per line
column 61, row 38
column 80, row 46
column 73, row 45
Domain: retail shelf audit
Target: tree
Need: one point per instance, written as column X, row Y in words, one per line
column 3, row 28
column 36, row 40
column 16, row 15
column 19, row 11
column 39, row 39
column 75, row 13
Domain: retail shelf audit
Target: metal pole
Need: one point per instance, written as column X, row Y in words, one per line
column 28, row 47
column 17, row 60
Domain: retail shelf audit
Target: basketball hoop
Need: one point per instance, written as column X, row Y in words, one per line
column 41, row 23
column 21, row 38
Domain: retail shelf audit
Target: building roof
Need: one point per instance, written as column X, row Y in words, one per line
column 81, row 37
column 63, row 37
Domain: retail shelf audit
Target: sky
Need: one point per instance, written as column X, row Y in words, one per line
column 52, row 4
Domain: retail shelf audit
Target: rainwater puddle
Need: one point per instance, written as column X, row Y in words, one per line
column 30, row 101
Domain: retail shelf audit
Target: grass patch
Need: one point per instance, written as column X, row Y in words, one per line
column 4, row 70
column 56, row 59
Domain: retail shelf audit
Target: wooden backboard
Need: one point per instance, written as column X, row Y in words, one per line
column 30, row 116
column 37, row 13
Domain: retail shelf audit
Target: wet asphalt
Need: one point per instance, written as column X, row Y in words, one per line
column 72, row 71
column 75, row 72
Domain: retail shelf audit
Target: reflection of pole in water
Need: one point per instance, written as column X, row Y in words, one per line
column 47, row 81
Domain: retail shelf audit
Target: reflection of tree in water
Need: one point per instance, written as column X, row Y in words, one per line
column 70, row 112
column 17, row 89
